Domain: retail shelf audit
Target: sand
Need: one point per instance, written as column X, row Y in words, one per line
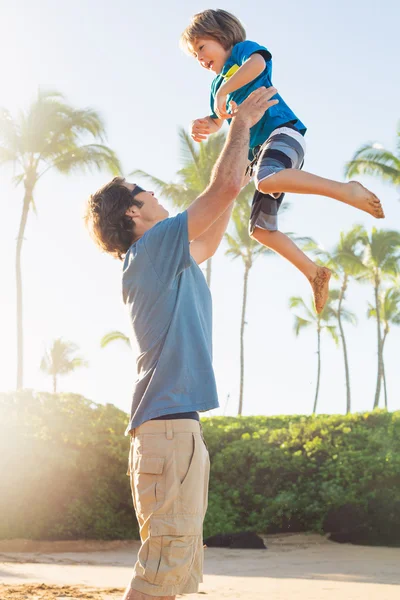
column 294, row 567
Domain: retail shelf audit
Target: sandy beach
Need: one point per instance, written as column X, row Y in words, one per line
column 294, row 566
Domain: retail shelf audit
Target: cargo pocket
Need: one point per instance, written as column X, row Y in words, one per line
column 148, row 488
column 172, row 552
column 176, row 560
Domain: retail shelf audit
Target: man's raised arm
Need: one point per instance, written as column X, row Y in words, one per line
column 228, row 172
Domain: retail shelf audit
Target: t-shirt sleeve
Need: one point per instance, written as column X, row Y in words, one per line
column 242, row 52
column 213, row 115
column 167, row 246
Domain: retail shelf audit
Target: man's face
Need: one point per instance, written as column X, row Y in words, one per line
column 210, row 54
column 151, row 212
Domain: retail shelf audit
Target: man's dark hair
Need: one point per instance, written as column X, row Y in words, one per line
column 106, row 220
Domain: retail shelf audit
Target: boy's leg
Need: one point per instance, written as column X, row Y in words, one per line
column 301, row 182
column 283, row 245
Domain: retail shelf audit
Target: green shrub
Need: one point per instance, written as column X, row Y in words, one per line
column 306, row 473
column 63, row 461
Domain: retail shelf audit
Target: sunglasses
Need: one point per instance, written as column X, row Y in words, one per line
column 137, row 190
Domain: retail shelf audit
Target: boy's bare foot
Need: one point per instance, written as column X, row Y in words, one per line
column 320, row 286
column 358, row 196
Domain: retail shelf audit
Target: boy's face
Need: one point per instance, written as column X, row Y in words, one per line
column 210, row 54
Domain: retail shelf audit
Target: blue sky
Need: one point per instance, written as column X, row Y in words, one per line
column 336, row 65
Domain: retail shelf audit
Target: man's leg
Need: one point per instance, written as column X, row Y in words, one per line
column 169, row 480
column 300, row 182
column 283, row 245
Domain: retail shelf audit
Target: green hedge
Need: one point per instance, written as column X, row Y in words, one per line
column 337, row 474
column 63, row 461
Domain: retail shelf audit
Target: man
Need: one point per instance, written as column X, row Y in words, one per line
column 170, row 309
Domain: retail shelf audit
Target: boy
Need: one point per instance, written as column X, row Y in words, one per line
column 217, row 40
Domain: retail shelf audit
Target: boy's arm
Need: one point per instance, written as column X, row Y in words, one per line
column 215, row 124
column 251, row 69
column 201, row 128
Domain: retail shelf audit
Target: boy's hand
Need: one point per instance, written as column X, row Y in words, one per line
column 255, row 105
column 199, row 130
column 220, row 105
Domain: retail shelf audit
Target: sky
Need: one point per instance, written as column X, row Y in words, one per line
column 335, row 64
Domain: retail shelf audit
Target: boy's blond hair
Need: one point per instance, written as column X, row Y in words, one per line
column 217, row 25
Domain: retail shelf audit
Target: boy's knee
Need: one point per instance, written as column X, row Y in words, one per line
column 265, row 186
column 253, row 234
column 258, row 233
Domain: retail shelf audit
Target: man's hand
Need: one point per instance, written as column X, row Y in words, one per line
column 200, row 129
column 255, row 105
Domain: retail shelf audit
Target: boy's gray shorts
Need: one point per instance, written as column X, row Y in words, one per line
column 284, row 149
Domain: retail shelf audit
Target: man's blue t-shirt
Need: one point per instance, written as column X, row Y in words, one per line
column 169, row 304
column 275, row 116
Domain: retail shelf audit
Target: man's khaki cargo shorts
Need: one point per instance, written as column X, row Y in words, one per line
column 169, row 470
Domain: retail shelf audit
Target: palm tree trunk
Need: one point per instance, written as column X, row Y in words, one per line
column 383, row 371
column 319, row 370
column 346, row 362
column 54, row 384
column 378, row 320
column 242, row 325
column 208, row 272
column 18, row 277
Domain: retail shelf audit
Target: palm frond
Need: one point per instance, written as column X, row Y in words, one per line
column 9, row 132
column 235, row 248
column 63, row 131
column 298, row 302
column 348, row 316
column 112, row 336
column 299, row 324
column 17, row 179
column 59, row 359
column 369, row 160
column 189, row 153
column 87, row 158
column 7, row 155
column 332, row 330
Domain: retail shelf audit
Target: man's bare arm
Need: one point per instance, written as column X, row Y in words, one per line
column 205, row 246
column 227, row 175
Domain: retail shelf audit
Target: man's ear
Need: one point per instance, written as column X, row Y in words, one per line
column 133, row 211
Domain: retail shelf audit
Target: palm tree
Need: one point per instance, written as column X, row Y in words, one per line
column 345, row 260
column 373, row 159
column 381, row 259
column 342, row 314
column 194, row 176
column 321, row 322
column 112, row 336
column 389, row 310
column 58, row 360
column 49, row 135
column 243, row 246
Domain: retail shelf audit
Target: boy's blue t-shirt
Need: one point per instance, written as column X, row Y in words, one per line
column 275, row 116
column 170, row 309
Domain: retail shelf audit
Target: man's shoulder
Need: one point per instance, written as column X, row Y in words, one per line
column 159, row 230
column 160, row 250
column 168, row 226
